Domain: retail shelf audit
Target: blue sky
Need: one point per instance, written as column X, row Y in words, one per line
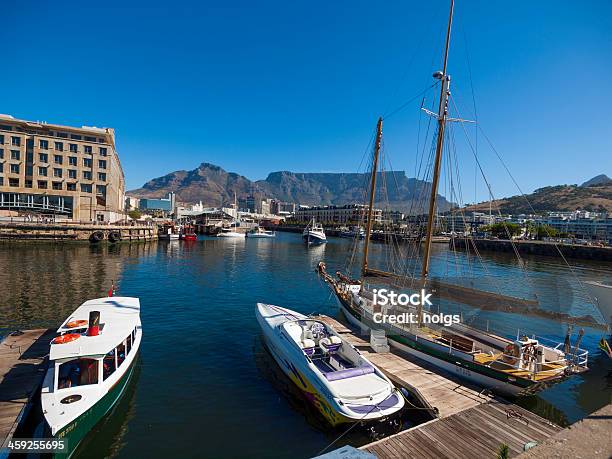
column 256, row 87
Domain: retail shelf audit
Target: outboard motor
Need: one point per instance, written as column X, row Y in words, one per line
column 94, row 323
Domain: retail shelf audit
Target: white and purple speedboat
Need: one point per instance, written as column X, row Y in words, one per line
column 342, row 384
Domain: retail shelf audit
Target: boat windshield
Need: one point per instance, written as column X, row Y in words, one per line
column 77, row 372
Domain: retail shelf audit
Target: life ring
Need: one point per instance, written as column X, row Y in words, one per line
column 76, row 323
column 114, row 236
column 68, row 337
column 96, row 236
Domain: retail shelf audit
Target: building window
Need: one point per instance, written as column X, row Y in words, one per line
column 57, row 185
column 72, row 173
column 1, row 167
column 1, row 181
column 28, row 183
column 30, row 170
column 1, row 139
column 43, row 157
column 86, row 175
column 59, row 159
column 75, row 137
column 72, row 160
column 14, row 182
column 57, row 173
column 14, row 168
column 85, row 188
column 42, row 184
column 63, row 135
column 59, row 146
column 101, row 190
column 71, row 186
column 42, row 171
column 87, row 148
column 43, row 144
column 89, row 138
column 16, row 141
column 1, row 153
column 102, row 164
column 87, row 162
column 102, row 176
column 15, row 154
column 103, row 151
column 73, row 147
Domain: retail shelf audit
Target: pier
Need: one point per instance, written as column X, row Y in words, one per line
column 23, row 357
column 467, row 421
column 75, row 231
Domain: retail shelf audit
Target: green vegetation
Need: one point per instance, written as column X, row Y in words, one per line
column 502, row 229
column 503, row 452
column 135, row 214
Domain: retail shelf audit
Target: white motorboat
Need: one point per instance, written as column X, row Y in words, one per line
column 342, row 384
column 169, row 232
column 91, row 362
column 314, row 233
column 602, row 295
column 353, row 232
column 230, row 232
column 260, row 232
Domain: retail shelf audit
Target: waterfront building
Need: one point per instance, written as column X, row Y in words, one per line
column 164, row 206
column 337, row 215
column 61, row 171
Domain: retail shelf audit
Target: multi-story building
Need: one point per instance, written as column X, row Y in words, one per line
column 338, row 215
column 61, row 171
column 162, row 206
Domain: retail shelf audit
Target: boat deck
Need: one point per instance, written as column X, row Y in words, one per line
column 443, row 394
column 22, row 368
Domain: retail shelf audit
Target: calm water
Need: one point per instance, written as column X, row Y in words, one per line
column 206, row 387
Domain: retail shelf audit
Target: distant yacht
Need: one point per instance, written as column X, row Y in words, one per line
column 313, row 233
column 230, row 232
column 260, row 232
column 352, row 232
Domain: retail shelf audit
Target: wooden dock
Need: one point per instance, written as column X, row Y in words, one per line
column 467, row 423
column 22, row 367
column 443, row 395
column 476, row 432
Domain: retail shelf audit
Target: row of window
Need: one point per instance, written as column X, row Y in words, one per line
column 58, row 173
column 59, row 146
column 62, row 135
column 57, row 159
column 86, row 370
column 44, row 185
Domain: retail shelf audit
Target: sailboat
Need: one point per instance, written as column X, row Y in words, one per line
column 507, row 366
column 231, row 231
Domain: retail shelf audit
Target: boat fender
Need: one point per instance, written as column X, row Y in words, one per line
column 114, row 236
column 96, row 236
column 67, row 338
column 76, row 323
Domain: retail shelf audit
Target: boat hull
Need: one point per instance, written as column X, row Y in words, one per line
column 76, row 431
column 465, row 371
column 313, row 238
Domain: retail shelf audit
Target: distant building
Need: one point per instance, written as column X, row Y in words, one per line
column 64, row 171
column 337, row 215
column 158, row 205
column 131, row 203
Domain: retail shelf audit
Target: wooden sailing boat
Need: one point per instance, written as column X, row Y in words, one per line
column 506, row 366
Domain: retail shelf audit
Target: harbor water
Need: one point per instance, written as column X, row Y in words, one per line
column 205, row 385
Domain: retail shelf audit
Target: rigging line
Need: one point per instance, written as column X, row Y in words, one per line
column 469, row 65
column 405, row 104
column 580, row 283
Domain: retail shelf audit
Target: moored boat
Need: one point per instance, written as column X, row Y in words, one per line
column 353, row 232
column 314, row 233
column 168, row 232
column 341, row 383
column 91, row 362
column 188, row 233
column 260, row 232
column 230, row 233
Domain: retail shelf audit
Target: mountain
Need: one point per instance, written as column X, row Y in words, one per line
column 215, row 187
column 591, row 197
column 601, row 179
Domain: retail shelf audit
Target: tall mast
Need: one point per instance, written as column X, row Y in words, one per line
column 442, row 116
column 372, row 193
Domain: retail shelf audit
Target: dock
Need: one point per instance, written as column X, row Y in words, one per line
column 23, row 357
column 467, row 421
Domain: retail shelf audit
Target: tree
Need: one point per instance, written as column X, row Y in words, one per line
column 543, row 231
column 503, row 229
column 135, row 214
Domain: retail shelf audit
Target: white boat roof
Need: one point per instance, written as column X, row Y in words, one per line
column 118, row 317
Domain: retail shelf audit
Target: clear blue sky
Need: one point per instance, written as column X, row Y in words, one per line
column 262, row 86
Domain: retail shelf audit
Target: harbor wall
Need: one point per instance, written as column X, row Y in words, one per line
column 539, row 248
column 65, row 231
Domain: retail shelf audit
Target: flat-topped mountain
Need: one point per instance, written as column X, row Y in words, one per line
column 215, row 187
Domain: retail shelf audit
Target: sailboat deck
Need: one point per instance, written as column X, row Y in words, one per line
column 492, row 360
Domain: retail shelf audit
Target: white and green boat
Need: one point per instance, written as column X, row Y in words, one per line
column 91, row 362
